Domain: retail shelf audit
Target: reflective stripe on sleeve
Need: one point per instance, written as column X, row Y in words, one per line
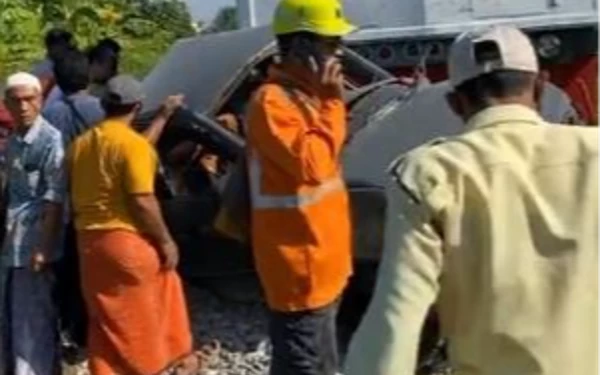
column 264, row 201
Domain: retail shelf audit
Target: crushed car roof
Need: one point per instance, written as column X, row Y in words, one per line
column 201, row 67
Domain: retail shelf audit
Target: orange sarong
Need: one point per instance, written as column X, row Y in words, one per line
column 138, row 319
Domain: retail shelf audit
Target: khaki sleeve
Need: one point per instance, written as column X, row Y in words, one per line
column 306, row 150
column 387, row 340
column 139, row 163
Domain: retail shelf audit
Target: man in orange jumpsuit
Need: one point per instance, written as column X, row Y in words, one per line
column 301, row 232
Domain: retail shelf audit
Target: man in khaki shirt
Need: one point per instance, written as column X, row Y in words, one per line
column 498, row 226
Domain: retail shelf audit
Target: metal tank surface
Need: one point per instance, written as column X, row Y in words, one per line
column 202, row 68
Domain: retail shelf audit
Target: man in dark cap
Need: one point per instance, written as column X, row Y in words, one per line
column 138, row 321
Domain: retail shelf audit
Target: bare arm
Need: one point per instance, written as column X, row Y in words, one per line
column 148, row 213
column 157, row 126
column 139, row 169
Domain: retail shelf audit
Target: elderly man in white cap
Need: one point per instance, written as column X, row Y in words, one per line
column 35, row 195
column 498, row 225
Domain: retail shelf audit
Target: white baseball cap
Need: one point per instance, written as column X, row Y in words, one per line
column 483, row 51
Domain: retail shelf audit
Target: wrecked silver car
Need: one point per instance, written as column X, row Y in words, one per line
column 218, row 74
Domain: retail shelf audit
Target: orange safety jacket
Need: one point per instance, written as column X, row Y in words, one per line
column 301, row 231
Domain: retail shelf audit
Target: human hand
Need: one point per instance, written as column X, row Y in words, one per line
column 229, row 122
column 210, row 162
column 169, row 253
column 170, row 105
column 332, row 79
column 39, row 260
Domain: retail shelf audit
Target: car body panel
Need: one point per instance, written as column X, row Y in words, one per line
column 386, row 119
column 202, row 68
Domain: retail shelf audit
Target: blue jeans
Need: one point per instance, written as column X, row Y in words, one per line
column 304, row 342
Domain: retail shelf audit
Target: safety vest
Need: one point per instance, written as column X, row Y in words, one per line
column 301, row 232
column 306, row 197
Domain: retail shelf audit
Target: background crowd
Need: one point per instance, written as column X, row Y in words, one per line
column 73, row 168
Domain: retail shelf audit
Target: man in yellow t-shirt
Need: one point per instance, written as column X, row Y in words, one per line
column 138, row 322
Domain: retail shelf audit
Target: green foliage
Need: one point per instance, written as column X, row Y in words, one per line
column 226, row 20
column 145, row 28
column 19, row 33
column 171, row 15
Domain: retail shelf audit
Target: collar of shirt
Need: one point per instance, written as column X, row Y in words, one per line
column 32, row 133
column 115, row 124
column 504, row 115
column 111, row 122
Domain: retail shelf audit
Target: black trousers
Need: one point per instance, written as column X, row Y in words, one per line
column 304, row 343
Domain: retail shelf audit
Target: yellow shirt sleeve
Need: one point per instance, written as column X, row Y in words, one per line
column 140, row 163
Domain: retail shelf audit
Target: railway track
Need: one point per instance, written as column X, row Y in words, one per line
column 230, row 327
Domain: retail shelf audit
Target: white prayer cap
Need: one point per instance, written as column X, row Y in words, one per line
column 23, row 79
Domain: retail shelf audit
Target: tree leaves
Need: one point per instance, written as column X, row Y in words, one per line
column 19, row 31
column 226, row 20
column 145, row 28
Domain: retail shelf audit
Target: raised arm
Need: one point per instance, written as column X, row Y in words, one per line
column 157, row 126
column 139, row 169
column 282, row 130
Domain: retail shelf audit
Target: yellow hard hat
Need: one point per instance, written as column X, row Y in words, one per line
column 321, row 17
